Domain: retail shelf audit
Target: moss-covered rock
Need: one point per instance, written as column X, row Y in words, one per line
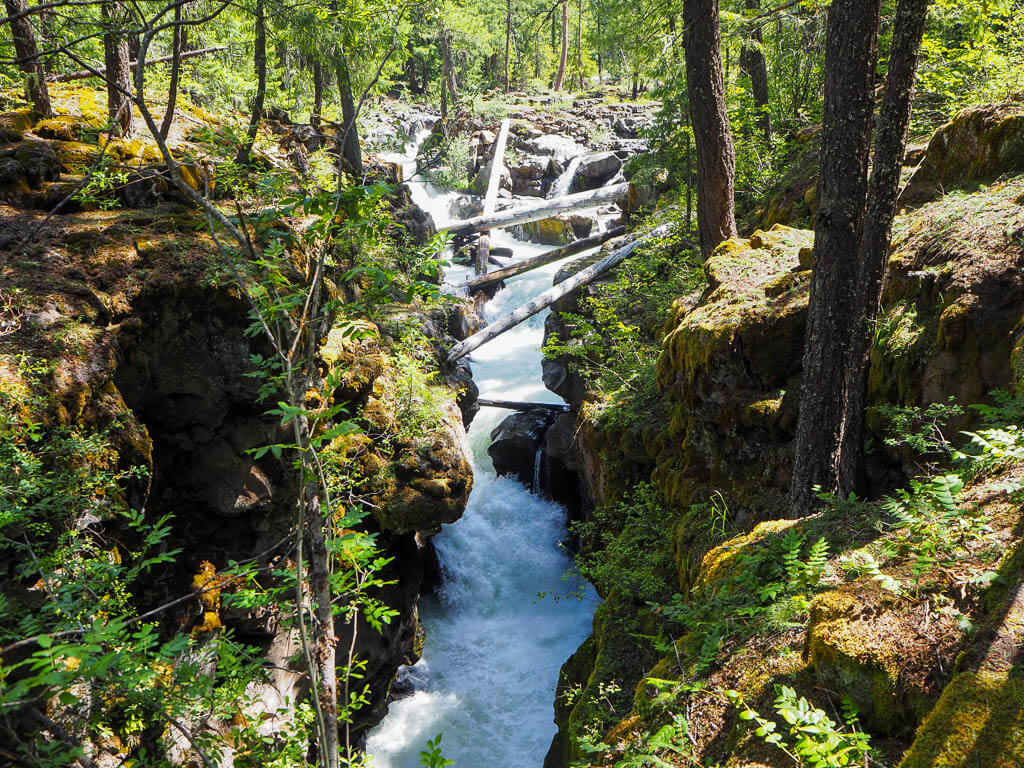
column 977, row 723
column 978, row 144
column 873, row 649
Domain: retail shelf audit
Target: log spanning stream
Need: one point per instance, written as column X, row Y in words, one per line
column 494, row 647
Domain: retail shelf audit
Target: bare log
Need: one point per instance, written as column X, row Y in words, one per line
column 540, row 210
column 549, row 297
column 483, row 246
column 82, row 74
column 545, row 258
column 516, row 405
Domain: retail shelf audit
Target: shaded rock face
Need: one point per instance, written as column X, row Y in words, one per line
column 516, row 443
column 164, row 370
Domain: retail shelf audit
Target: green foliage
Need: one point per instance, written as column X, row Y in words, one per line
column 921, row 429
column 614, row 339
column 432, row 757
column 625, row 546
column 812, row 739
column 769, row 585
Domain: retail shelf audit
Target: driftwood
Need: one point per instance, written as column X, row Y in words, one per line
column 483, row 245
column 549, row 297
column 545, row 258
column 542, row 209
column 515, row 405
column 82, row 74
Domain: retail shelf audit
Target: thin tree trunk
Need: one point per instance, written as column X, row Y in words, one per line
column 318, row 93
column 716, row 157
column 564, row 56
column 550, row 296
column 508, row 44
column 851, row 52
column 260, row 61
column 348, row 139
column 579, row 42
column 448, row 65
column 753, row 63
column 25, row 49
column 172, row 90
column 890, row 145
column 118, row 71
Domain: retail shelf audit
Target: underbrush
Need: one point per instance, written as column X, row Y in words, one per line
column 731, row 646
column 613, row 340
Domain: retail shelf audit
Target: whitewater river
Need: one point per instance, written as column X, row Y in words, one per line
column 494, row 647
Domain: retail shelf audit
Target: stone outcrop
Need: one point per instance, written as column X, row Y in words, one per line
column 151, row 346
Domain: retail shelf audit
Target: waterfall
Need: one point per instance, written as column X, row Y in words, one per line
column 494, row 648
column 563, row 184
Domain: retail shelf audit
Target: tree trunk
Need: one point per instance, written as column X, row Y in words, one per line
column 508, row 44
column 172, row 90
column 754, row 65
column 448, row 66
column 851, row 52
column 348, row 139
column 716, row 158
column 890, row 145
column 318, row 93
column 24, row 36
column 118, row 71
column 260, row 61
column 579, row 42
column 550, row 296
column 542, row 209
column 564, row 56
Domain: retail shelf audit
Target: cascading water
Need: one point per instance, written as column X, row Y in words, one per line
column 494, row 647
column 563, row 184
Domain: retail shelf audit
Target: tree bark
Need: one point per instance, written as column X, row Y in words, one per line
column 118, row 70
column 564, row 56
column 448, row 65
column 172, row 90
column 260, row 62
column 549, row 297
column 349, row 136
column 754, row 65
column 318, row 93
column 579, row 42
column 483, row 246
column 539, row 210
column 851, row 52
column 508, row 44
column 716, row 157
column 24, row 36
column 873, row 253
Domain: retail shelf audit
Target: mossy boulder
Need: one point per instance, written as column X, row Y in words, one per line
column 978, row 722
column 555, row 230
column 978, row 144
column 727, row 362
column 65, row 128
column 873, row 648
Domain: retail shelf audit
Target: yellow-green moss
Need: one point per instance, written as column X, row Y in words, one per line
column 978, row 722
column 720, row 562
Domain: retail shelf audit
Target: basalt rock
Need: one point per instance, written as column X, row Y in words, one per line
column 517, row 441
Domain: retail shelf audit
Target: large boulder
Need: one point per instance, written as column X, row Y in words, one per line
column 596, row 170
column 561, row 148
column 38, row 161
column 516, row 443
column 532, row 175
column 977, row 145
